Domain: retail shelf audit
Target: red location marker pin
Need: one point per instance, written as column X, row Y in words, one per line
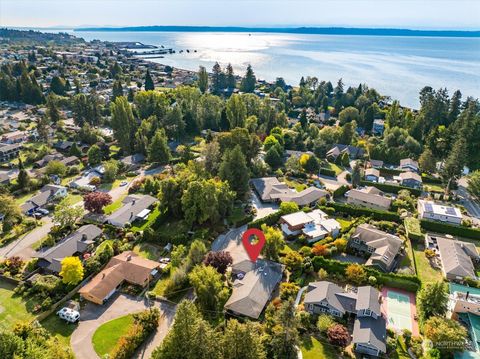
column 253, row 250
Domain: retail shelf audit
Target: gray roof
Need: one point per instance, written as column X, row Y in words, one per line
column 409, row 175
column 408, row 162
column 370, row 195
column 133, row 159
column 78, row 241
column 267, row 185
column 353, row 152
column 335, row 296
column 132, row 206
column 251, row 293
column 457, row 257
column 305, row 197
column 386, row 245
column 368, row 330
column 368, row 298
column 10, row 147
column 38, row 200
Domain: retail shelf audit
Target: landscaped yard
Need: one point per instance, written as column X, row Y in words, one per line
column 148, row 250
column 73, row 198
column 59, row 328
column 295, row 184
column 424, row 270
column 107, row 335
column 141, row 225
column 344, row 223
column 335, row 168
column 109, row 186
column 314, row 349
column 13, row 308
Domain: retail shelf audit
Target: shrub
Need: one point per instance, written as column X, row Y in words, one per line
column 355, row 273
column 327, row 172
column 322, row 274
column 450, row 229
column 324, row 322
column 413, row 229
column 288, row 290
column 338, row 335
column 372, row 280
column 391, row 188
column 269, row 220
column 340, row 191
column 361, row 211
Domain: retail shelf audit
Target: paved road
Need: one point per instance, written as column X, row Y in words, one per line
column 22, row 246
column 467, row 200
column 93, row 316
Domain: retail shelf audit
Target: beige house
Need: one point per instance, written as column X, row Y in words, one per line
column 370, row 197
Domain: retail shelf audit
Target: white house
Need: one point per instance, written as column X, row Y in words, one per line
column 439, row 212
column 314, row 225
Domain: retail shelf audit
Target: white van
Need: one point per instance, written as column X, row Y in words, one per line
column 70, row 315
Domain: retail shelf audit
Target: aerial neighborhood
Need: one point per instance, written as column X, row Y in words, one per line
column 127, row 186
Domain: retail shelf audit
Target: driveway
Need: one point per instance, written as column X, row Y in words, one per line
column 93, row 316
column 223, row 240
column 22, row 246
column 263, row 209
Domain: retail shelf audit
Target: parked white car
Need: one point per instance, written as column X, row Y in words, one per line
column 70, row 315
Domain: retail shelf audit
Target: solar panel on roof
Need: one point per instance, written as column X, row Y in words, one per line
column 451, row 211
column 428, row 207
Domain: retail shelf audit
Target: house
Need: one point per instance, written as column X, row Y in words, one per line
column 407, row 164
column 63, row 145
column 83, row 182
column 125, row 267
column 47, row 194
column 372, row 175
column 253, row 287
column 133, row 162
column 48, row 158
column 9, row 151
column 314, row 225
column 410, row 179
column 4, row 178
column 270, row 189
column 376, row 163
column 339, row 149
column 135, row 207
column 384, row 248
column 458, row 258
column 77, row 243
column 438, row 212
column 14, row 137
column 370, row 197
column 369, row 330
column 378, row 127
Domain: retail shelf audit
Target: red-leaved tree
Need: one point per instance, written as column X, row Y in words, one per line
column 218, row 260
column 338, row 335
column 95, row 201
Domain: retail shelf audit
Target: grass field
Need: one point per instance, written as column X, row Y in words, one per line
column 314, row 349
column 148, row 250
column 424, row 270
column 335, row 168
column 107, row 335
column 114, row 205
column 59, row 328
column 140, row 226
column 13, row 308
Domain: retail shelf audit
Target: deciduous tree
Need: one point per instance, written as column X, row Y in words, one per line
column 72, row 270
column 219, row 260
column 96, row 201
column 66, row 214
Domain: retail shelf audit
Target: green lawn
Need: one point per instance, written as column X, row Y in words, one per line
column 344, row 223
column 114, row 205
column 434, row 188
column 103, row 244
column 424, row 270
column 335, row 167
column 13, row 308
column 73, row 198
column 59, row 328
column 148, row 250
column 109, row 186
column 295, row 184
column 313, row 349
column 107, row 335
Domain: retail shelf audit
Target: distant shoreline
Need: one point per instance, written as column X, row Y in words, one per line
column 291, row 30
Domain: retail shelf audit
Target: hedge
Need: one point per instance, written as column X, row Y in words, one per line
column 340, row 191
column 269, row 220
column 409, row 283
column 426, row 178
column 412, row 227
column 389, row 171
column 328, row 172
column 452, row 229
column 362, row 211
column 390, row 188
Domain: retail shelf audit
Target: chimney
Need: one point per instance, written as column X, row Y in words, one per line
column 103, row 275
column 468, row 294
column 129, row 258
column 84, row 237
column 131, row 215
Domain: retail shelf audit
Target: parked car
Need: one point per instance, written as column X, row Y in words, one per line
column 69, row 315
column 123, row 183
column 43, row 211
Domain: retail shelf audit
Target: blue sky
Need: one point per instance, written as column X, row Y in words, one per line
column 420, row 14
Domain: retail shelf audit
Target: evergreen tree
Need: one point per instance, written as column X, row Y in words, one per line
column 274, row 156
column 249, row 81
column 149, row 82
column 230, row 78
column 42, row 129
column 432, row 300
column 454, row 163
column 426, row 161
column 234, row 170
column 202, row 79
column 75, row 151
column 57, row 86
column 158, row 150
column 94, row 155
column 123, row 124
column 217, row 79
column 242, row 340
column 23, row 178
column 117, row 90
column 455, row 104
column 303, row 119
column 52, row 110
